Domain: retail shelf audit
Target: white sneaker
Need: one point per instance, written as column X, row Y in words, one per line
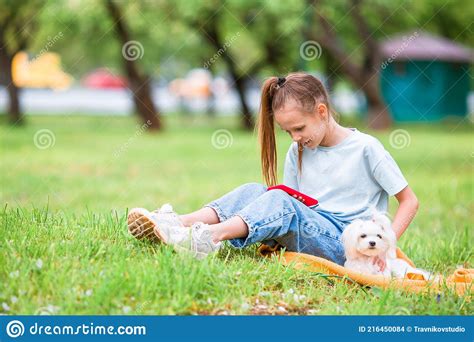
column 196, row 240
column 141, row 222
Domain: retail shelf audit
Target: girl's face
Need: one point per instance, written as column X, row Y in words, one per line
column 308, row 129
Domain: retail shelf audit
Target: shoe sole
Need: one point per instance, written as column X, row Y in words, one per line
column 141, row 226
column 158, row 235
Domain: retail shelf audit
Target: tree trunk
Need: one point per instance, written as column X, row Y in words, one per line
column 139, row 84
column 144, row 102
column 365, row 76
column 378, row 115
column 211, row 34
column 246, row 118
column 14, row 113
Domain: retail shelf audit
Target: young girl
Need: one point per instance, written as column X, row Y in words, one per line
column 349, row 172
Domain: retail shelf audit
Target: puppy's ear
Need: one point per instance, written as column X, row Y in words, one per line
column 388, row 234
column 382, row 220
column 349, row 238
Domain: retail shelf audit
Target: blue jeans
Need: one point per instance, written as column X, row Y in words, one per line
column 276, row 217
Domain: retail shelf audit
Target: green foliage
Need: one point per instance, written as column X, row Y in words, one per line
column 172, row 46
column 18, row 23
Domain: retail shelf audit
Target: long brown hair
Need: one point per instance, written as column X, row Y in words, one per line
column 304, row 89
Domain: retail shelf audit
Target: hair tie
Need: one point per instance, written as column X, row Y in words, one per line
column 280, row 82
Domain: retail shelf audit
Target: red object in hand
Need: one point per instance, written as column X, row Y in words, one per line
column 305, row 199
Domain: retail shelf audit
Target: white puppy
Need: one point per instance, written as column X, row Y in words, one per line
column 365, row 240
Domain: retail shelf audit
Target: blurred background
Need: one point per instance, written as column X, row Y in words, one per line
column 102, row 92
column 155, row 58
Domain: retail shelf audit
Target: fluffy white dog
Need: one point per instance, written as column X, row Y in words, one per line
column 365, row 240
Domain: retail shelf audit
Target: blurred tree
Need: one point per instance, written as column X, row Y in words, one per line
column 350, row 31
column 452, row 19
column 18, row 24
column 90, row 39
column 210, row 32
column 139, row 83
column 364, row 74
column 204, row 18
column 249, row 37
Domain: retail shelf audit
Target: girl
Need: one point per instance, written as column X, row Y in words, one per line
column 349, row 172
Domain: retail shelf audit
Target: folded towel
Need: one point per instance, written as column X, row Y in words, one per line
column 460, row 281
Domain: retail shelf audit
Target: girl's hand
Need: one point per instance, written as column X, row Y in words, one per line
column 380, row 262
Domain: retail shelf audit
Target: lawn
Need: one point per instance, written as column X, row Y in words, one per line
column 64, row 246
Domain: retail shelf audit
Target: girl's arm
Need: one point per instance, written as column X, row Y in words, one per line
column 407, row 208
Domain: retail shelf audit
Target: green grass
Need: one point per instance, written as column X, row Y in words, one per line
column 64, row 247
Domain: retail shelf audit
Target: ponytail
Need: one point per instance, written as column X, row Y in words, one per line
column 266, row 133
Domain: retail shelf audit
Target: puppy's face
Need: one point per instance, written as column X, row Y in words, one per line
column 370, row 238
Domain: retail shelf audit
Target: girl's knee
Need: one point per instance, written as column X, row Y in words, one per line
column 278, row 194
column 254, row 188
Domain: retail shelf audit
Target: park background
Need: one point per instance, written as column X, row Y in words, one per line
column 109, row 105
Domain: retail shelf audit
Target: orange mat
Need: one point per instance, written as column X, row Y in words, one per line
column 460, row 281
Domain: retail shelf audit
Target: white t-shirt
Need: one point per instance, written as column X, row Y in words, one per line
column 350, row 179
